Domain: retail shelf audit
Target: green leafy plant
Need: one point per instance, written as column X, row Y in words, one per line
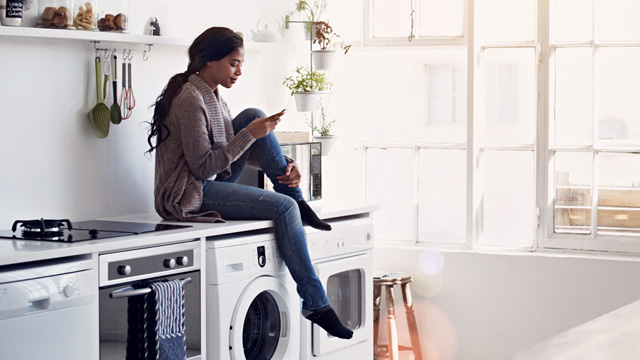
column 305, row 80
column 324, row 35
column 324, row 127
column 311, row 10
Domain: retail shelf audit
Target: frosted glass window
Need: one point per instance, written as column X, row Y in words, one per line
column 391, row 18
column 618, row 20
column 618, row 193
column 509, row 20
column 572, row 203
column 510, row 95
column 573, row 97
column 618, row 93
column 447, row 99
column 509, row 198
column 442, row 196
column 441, row 18
column 572, row 20
column 390, row 185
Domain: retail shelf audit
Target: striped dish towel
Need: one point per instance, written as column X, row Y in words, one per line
column 169, row 314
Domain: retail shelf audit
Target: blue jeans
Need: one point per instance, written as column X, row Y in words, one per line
column 240, row 202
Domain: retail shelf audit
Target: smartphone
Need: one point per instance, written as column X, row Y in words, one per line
column 281, row 111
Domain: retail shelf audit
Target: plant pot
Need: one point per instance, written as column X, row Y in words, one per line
column 327, row 143
column 306, row 102
column 323, row 59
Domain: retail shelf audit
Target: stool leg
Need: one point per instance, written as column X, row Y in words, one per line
column 391, row 323
column 411, row 321
column 376, row 317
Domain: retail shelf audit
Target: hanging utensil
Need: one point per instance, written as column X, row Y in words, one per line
column 106, row 69
column 132, row 98
column 116, row 117
column 124, row 97
column 100, row 114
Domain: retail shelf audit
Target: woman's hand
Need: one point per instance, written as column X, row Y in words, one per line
column 261, row 127
column 291, row 175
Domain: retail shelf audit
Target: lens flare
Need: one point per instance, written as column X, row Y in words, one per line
column 431, row 262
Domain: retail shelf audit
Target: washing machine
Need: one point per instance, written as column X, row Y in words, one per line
column 252, row 310
column 342, row 259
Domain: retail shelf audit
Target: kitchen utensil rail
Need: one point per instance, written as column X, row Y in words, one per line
column 128, row 51
column 131, row 291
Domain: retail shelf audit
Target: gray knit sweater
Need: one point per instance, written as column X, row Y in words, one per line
column 200, row 144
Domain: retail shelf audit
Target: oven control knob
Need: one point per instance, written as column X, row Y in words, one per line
column 169, row 263
column 262, row 260
column 124, row 270
column 68, row 291
column 182, row 260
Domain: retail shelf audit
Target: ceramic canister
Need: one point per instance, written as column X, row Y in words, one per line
column 11, row 12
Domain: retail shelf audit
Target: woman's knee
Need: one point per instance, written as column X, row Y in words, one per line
column 288, row 206
column 249, row 114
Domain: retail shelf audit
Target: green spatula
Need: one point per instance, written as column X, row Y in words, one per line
column 100, row 114
column 116, row 116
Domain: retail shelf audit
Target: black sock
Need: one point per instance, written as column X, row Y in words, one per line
column 309, row 216
column 327, row 319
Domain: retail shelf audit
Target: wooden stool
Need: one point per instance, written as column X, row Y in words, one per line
column 391, row 350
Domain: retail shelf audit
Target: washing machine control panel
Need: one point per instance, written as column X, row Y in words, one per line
column 345, row 238
column 266, row 257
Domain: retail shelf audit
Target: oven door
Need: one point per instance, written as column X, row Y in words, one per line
column 348, row 282
column 113, row 319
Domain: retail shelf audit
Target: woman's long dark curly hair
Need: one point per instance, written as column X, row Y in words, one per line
column 213, row 44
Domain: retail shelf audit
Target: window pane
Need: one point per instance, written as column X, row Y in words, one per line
column 618, row 19
column 509, row 20
column 618, row 193
column 618, row 93
column 447, row 94
column 509, row 198
column 572, row 20
column 510, row 96
column 572, row 210
column 442, row 201
column 440, row 110
column 573, row 96
column 391, row 18
column 394, row 194
column 441, row 18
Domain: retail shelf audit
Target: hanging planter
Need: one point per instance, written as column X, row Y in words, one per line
column 327, row 143
column 306, row 101
column 323, row 59
column 305, row 87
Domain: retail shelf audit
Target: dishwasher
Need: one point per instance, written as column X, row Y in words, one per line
column 47, row 310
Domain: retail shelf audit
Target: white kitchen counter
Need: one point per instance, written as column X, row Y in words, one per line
column 22, row 251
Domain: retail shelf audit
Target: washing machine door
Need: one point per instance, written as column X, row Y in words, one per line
column 261, row 322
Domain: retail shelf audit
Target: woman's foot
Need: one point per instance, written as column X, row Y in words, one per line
column 309, row 216
column 327, row 319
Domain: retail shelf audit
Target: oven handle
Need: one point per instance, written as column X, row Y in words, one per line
column 131, row 291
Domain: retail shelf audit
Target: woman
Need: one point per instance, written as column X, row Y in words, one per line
column 200, row 152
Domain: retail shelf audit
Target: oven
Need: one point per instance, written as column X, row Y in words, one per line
column 126, row 274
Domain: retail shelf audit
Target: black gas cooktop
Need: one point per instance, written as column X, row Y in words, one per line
column 65, row 231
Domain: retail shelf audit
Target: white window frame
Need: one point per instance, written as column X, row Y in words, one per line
column 545, row 239
column 415, row 40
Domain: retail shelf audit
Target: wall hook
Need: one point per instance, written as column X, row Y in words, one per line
column 144, row 56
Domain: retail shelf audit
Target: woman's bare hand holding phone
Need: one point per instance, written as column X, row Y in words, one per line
column 260, row 127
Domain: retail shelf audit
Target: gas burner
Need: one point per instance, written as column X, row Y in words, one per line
column 44, row 227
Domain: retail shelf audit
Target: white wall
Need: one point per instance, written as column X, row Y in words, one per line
column 489, row 306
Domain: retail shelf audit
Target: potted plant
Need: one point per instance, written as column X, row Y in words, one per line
column 311, row 12
column 323, row 37
column 306, row 86
column 322, row 130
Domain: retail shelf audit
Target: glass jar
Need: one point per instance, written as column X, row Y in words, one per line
column 114, row 15
column 86, row 15
column 55, row 14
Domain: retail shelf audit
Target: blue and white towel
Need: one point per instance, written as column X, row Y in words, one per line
column 155, row 322
column 170, row 329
